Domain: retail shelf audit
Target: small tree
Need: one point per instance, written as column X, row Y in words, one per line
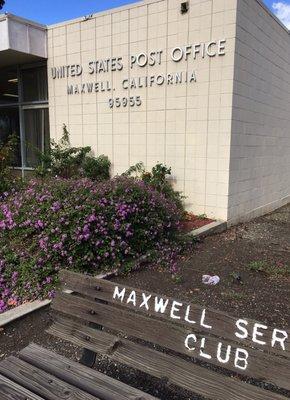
column 61, row 159
column 157, row 178
column 7, row 155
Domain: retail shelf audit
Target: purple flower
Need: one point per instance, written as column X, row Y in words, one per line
column 3, row 306
column 56, row 206
column 15, row 276
column 51, row 294
column 101, row 225
column 39, row 224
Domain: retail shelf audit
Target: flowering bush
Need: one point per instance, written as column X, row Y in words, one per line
column 84, row 226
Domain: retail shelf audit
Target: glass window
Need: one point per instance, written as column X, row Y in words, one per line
column 34, row 83
column 8, row 86
column 9, row 125
column 36, row 124
column 34, row 127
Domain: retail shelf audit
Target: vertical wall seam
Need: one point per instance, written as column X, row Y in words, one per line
column 112, row 117
column 232, row 114
column 96, row 108
column 146, row 99
column 54, row 83
column 186, row 110
column 129, row 74
column 67, row 102
column 82, row 96
column 165, row 111
column 207, row 122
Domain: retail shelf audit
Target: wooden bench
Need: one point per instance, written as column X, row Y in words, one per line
column 203, row 351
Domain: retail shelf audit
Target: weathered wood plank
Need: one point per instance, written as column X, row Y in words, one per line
column 10, row 390
column 179, row 372
column 40, row 382
column 92, row 381
column 224, row 325
column 260, row 365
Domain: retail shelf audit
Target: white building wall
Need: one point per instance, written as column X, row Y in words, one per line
column 19, row 34
column 260, row 143
column 4, row 36
column 188, row 127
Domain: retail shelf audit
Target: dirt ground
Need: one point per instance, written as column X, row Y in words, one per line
column 253, row 263
column 251, row 260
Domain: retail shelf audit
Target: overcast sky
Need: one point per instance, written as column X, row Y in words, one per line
column 49, row 12
column 281, row 9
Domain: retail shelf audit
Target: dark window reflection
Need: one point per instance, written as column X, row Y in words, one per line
column 8, row 86
column 35, row 128
column 36, row 134
column 34, row 84
column 9, row 125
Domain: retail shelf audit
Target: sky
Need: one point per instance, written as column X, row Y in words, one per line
column 53, row 11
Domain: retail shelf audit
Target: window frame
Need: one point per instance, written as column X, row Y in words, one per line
column 22, row 106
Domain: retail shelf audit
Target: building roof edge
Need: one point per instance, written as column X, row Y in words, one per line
column 22, row 20
column 137, row 3
column 270, row 12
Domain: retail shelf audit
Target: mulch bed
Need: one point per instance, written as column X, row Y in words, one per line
column 192, row 222
column 262, row 295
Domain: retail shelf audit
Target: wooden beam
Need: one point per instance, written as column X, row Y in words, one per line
column 10, row 390
column 40, row 382
column 175, row 370
column 224, row 325
column 90, row 380
column 261, row 366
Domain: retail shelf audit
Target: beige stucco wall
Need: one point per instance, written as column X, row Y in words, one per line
column 186, row 126
column 226, row 136
column 260, row 144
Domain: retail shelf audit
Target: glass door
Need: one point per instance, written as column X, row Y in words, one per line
column 36, row 128
column 9, row 125
column 24, row 111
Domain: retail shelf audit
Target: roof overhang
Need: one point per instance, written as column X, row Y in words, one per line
column 21, row 41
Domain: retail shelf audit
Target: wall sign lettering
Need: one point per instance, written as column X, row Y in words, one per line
column 133, row 63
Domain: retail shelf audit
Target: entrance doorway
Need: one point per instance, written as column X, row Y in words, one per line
column 36, row 128
column 24, row 112
column 9, row 125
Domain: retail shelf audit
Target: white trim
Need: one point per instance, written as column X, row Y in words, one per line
column 209, row 229
column 21, row 311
